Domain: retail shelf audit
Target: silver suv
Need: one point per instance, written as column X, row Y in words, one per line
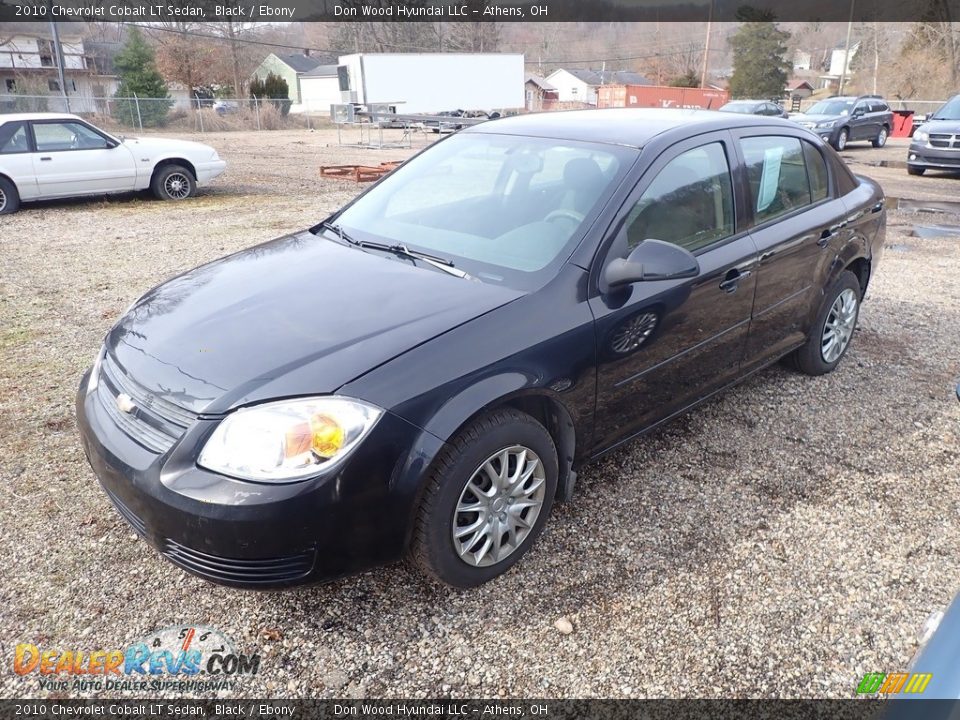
column 838, row 120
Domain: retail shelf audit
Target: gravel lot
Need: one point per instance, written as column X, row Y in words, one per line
column 780, row 541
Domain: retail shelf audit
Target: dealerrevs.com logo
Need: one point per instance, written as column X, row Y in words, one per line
column 183, row 658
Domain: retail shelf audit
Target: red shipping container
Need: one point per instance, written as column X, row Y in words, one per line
column 660, row 96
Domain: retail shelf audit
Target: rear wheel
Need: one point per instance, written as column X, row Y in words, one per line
column 487, row 499
column 173, row 182
column 881, row 139
column 9, row 197
column 913, row 170
column 833, row 328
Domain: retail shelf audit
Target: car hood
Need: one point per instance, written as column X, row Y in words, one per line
column 296, row 316
column 941, row 126
column 158, row 145
column 802, row 117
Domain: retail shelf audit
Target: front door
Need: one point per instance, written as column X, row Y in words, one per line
column 665, row 344
column 72, row 158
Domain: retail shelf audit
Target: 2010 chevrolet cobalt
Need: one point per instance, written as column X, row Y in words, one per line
column 423, row 372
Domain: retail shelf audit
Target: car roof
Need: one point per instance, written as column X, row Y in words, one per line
column 632, row 127
column 20, row 117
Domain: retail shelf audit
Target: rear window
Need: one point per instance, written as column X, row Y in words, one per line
column 13, row 138
column 817, row 172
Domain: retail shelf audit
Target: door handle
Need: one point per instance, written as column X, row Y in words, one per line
column 829, row 234
column 46, row 159
column 731, row 280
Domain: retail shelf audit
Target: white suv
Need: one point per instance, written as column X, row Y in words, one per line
column 47, row 155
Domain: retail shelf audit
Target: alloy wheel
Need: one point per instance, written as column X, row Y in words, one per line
column 839, row 325
column 499, row 505
column 842, row 140
column 634, row 333
column 882, row 137
column 3, row 200
column 177, row 186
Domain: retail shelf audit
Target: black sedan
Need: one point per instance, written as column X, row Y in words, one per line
column 424, row 372
column 754, row 107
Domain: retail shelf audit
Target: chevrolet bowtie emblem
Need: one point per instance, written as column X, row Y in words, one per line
column 125, row 403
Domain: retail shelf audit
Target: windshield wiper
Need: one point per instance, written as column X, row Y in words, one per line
column 400, row 249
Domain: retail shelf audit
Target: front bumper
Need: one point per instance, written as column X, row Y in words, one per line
column 209, row 170
column 923, row 155
column 261, row 535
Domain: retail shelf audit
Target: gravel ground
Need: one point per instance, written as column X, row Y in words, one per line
column 780, row 541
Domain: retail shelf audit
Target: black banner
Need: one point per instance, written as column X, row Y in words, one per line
column 447, row 709
column 479, row 10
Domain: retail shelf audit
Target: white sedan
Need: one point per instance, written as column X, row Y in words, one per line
column 51, row 155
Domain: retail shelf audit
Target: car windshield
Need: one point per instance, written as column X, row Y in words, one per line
column 949, row 111
column 739, row 107
column 506, row 209
column 831, row 107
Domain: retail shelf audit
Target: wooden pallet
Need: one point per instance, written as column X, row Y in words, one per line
column 358, row 173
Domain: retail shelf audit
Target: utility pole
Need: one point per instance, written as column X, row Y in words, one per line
column 706, row 49
column 846, row 52
column 58, row 51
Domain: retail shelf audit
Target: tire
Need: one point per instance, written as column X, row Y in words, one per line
column 173, row 182
column 913, row 170
column 842, row 138
column 9, row 197
column 813, row 358
column 881, row 139
column 458, row 478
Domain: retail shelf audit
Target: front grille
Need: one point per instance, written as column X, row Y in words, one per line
column 267, row 571
column 154, row 423
column 944, row 140
column 131, row 517
column 942, row 160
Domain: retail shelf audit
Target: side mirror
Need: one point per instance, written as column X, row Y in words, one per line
column 652, row 260
column 859, row 112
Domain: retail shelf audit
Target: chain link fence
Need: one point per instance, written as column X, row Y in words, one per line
column 184, row 114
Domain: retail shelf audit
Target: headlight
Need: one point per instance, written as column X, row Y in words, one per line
column 288, row 440
column 94, row 380
column 921, row 136
column 827, row 124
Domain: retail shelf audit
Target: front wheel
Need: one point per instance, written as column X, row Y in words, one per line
column 842, row 138
column 173, row 182
column 881, row 139
column 833, row 328
column 487, row 499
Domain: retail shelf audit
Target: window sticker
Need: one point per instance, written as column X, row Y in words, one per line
column 770, row 179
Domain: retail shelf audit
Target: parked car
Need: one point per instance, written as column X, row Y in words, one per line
column 226, row 107
column 424, row 371
column 839, row 120
column 755, row 107
column 52, row 155
column 936, row 143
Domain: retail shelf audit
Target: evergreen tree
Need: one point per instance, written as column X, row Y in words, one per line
column 274, row 89
column 759, row 61
column 139, row 79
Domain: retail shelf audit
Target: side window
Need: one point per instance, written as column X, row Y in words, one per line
column 777, row 175
column 861, row 108
column 817, row 171
column 51, row 137
column 13, row 138
column 689, row 203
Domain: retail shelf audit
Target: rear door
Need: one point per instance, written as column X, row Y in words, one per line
column 73, row 158
column 663, row 345
column 797, row 224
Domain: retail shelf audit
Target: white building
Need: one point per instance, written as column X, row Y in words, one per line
column 580, row 85
column 319, row 89
column 28, row 67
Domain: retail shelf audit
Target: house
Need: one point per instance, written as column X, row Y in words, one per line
column 839, row 65
column 536, row 91
column 291, row 68
column 319, row 89
column 580, row 85
column 801, row 61
column 28, row 71
column 799, row 88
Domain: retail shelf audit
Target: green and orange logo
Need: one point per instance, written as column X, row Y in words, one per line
column 893, row 683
